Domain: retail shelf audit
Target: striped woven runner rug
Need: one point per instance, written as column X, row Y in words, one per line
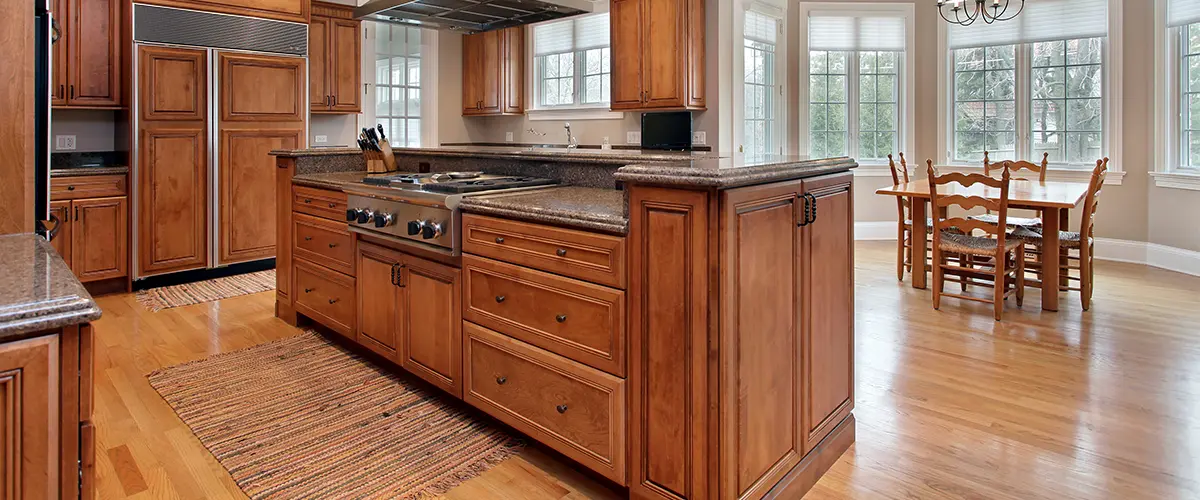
column 303, row 418
column 166, row 297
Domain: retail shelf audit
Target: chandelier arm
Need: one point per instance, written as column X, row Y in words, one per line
column 1019, row 9
column 969, row 20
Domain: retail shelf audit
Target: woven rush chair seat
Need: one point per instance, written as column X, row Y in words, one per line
column 1011, row 222
column 974, row 245
column 1067, row 239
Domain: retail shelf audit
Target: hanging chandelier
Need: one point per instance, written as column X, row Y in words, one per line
column 956, row 11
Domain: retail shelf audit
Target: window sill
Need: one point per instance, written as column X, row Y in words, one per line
column 573, row 114
column 1177, row 180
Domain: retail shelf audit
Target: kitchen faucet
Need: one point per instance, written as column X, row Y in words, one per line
column 571, row 142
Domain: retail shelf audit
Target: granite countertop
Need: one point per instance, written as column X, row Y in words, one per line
column 732, row 172
column 585, row 208
column 78, row 171
column 584, row 155
column 39, row 292
column 331, row 180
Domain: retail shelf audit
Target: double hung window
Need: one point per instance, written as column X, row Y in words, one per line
column 572, row 63
column 1183, row 22
column 760, row 119
column 398, row 82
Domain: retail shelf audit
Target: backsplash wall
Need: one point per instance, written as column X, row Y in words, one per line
column 94, row 130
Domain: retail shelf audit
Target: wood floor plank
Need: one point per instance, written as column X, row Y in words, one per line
column 949, row 404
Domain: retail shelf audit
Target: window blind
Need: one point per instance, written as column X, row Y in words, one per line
column 855, row 31
column 1039, row 21
column 569, row 35
column 760, row 27
column 1181, row 12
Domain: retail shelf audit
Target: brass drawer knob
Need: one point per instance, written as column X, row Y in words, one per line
column 562, row 252
column 500, row 240
column 501, row 380
column 499, row 298
column 561, row 408
column 560, row 318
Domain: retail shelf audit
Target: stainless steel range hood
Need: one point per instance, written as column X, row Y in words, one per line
column 470, row 16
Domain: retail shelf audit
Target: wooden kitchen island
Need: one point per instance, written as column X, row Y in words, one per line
column 688, row 336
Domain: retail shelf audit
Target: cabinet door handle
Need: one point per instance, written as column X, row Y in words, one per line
column 499, row 299
column 501, row 380
column 500, row 240
column 76, row 213
column 560, row 318
column 562, row 252
column 561, row 408
column 397, row 275
column 62, row 92
column 813, row 210
column 72, row 91
column 308, row 238
column 70, row 188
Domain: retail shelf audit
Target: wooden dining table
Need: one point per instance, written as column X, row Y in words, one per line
column 1053, row 199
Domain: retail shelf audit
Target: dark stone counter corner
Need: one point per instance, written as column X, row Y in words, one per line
column 38, row 292
column 724, row 173
column 587, row 208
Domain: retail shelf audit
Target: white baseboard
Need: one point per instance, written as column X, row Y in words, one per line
column 1137, row 252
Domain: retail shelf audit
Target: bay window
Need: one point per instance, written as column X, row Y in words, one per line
column 760, row 119
column 1033, row 85
column 855, row 98
column 1189, row 99
column 572, row 63
column 1183, row 86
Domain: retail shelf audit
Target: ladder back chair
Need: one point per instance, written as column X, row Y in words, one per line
column 1079, row 246
column 1013, row 166
column 904, row 226
column 1007, row 256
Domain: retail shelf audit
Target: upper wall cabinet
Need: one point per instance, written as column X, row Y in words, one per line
column 334, row 56
column 494, row 72
column 283, row 10
column 657, row 54
column 87, row 60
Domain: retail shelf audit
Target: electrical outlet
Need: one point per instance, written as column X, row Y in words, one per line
column 633, row 137
column 64, row 143
column 321, row 139
column 508, row 137
column 698, row 138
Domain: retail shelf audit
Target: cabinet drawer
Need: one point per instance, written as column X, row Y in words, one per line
column 572, row 408
column 324, row 242
column 588, row 256
column 579, row 320
column 325, row 296
column 319, row 202
column 87, row 186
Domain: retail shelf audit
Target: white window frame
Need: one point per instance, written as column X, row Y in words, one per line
column 777, row 11
column 1112, row 56
column 429, row 88
column 1168, row 122
column 906, row 121
column 536, row 112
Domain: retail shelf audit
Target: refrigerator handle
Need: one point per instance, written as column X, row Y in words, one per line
column 51, row 230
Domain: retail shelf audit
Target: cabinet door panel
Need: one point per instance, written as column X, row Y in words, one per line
column 29, row 394
column 490, row 76
column 59, row 80
column 829, row 287
column 93, row 63
column 432, row 323
column 318, row 60
column 98, row 239
column 379, row 300
column 173, row 84
column 345, row 69
column 472, row 73
column 513, row 73
column 62, row 242
column 173, row 200
column 663, row 52
column 261, row 88
column 626, row 37
column 247, row 193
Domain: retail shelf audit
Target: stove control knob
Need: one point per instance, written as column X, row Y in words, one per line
column 431, row 230
column 352, row 214
column 383, row 219
column 365, row 215
column 415, row 227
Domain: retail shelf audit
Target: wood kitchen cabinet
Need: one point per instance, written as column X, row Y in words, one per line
column 657, row 54
column 409, row 312
column 93, row 215
column 335, row 56
column 29, row 431
column 494, row 72
column 87, row 56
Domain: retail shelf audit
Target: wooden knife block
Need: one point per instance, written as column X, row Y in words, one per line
column 380, row 162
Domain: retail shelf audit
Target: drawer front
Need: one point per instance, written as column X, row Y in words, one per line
column 572, row 408
column 87, row 186
column 579, row 320
column 319, row 202
column 588, row 256
column 324, row 242
column 325, row 296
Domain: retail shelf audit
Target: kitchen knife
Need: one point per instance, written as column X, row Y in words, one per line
column 381, row 134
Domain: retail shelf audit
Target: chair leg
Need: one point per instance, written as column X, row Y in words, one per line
column 1001, row 285
column 1020, row 275
column 965, row 261
column 937, row 278
column 900, row 252
column 1086, row 274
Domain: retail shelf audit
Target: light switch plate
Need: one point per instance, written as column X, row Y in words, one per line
column 508, row 137
column 321, row 139
column 633, row 137
column 64, row 142
column 698, row 138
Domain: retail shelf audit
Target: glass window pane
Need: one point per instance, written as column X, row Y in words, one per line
column 866, row 117
column 383, row 99
column 414, row 72
column 866, row 88
column 968, row 116
column 382, row 67
column 1084, row 115
column 399, row 45
column 867, row 62
column 1049, row 53
column 414, row 102
column 414, row 132
column 817, row 62
column 968, row 59
column 837, row 62
column 1001, row 116
column 1004, row 57
column 1083, row 81
column 969, row 86
column 886, row 88
column 1084, row 51
column 837, row 117
column 866, row 145
column 817, row 117
column 397, row 101
column 837, row 88
column 1001, row 85
column 886, row 117
column 836, row 144
column 399, row 68
column 1048, row 83
column 414, row 42
column 817, row 88
column 382, row 38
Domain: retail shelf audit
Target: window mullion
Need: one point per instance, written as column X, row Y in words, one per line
column 852, row 97
column 1024, row 76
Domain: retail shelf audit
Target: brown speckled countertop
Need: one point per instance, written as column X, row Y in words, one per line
column 586, row 208
column 38, row 292
column 78, row 171
column 331, row 180
column 578, row 155
column 732, row 172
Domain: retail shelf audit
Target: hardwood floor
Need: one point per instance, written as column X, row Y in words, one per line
column 950, row 404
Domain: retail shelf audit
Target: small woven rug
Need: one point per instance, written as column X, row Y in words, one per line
column 166, row 297
column 303, row 418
